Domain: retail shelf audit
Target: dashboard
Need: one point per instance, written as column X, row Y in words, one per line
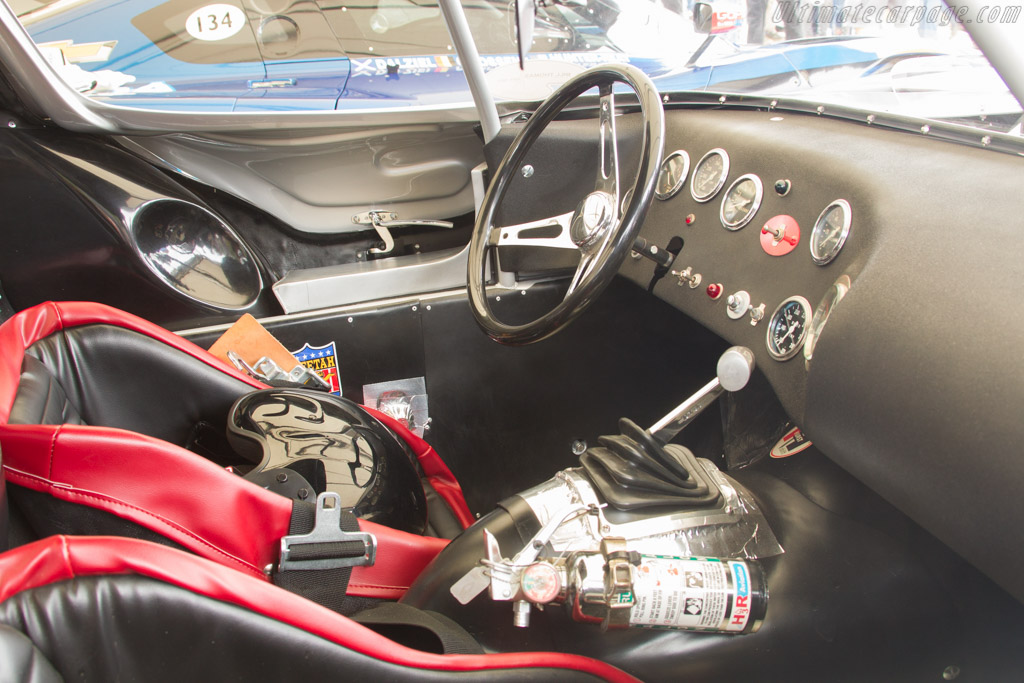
column 773, row 228
column 912, row 245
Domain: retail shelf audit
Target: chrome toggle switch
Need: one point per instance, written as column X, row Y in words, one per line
column 687, row 277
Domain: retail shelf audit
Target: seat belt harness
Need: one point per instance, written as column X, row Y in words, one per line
column 318, row 554
column 334, row 542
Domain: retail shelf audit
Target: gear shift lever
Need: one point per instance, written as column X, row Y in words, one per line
column 734, row 369
column 639, row 469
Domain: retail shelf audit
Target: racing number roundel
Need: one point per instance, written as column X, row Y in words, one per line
column 215, row 22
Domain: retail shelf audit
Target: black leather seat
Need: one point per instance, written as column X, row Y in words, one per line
column 103, row 609
column 107, row 374
column 98, row 409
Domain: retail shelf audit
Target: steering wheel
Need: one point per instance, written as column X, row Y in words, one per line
column 597, row 228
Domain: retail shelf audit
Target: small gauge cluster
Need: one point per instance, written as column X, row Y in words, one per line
column 793, row 325
column 780, row 234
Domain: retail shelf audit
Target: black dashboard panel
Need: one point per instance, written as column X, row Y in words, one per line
column 916, row 384
column 821, row 167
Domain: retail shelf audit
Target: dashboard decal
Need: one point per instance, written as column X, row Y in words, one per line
column 323, row 360
column 791, row 443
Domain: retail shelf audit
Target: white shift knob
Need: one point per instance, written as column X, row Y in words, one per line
column 735, row 367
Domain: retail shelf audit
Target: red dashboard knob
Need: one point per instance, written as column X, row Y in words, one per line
column 714, row 290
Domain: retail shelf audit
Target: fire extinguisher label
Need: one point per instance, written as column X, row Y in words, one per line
column 675, row 592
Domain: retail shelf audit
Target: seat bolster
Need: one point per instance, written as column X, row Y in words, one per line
column 167, row 489
column 16, row 335
column 4, row 508
column 200, row 506
column 79, row 313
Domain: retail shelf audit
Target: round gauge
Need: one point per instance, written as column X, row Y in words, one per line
column 832, row 297
column 788, row 327
column 672, row 174
column 541, row 583
column 741, row 201
column 709, row 175
column 830, row 231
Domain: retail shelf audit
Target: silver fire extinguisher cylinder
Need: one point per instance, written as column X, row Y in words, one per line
column 621, row 589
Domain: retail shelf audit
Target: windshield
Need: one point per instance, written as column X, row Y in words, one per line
column 287, row 55
column 913, row 59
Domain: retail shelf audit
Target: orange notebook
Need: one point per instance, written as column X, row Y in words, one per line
column 251, row 341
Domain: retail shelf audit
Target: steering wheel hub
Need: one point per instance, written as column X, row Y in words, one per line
column 594, row 215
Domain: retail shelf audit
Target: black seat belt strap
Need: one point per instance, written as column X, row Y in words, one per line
column 323, row 544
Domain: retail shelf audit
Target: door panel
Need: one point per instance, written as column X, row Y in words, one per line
column 315, row 183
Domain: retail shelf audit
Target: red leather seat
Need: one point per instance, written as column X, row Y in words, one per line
column 95, row 408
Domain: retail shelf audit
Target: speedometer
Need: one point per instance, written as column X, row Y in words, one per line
column 709, row 175
column 673, row 174
column 830, row 231
column 788, row 327
column 741, row 201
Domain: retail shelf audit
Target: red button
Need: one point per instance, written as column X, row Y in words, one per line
column 714, row 290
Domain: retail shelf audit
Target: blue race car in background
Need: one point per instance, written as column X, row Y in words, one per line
column 292, row 55
column 302, row 55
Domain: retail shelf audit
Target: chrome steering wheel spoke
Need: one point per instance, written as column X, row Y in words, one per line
column 540, row 233
column 608, row 168
column 587, row 260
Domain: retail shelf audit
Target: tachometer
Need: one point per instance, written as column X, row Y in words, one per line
column 709, row 175
column 788, row 327
column 830, row 231
column 672, row 174
column 834, row 295
column 741, row 201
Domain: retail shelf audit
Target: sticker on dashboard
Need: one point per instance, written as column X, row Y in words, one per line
column 323, row 360
column 791, row 443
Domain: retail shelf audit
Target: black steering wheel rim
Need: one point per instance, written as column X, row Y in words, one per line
column 609, row 259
